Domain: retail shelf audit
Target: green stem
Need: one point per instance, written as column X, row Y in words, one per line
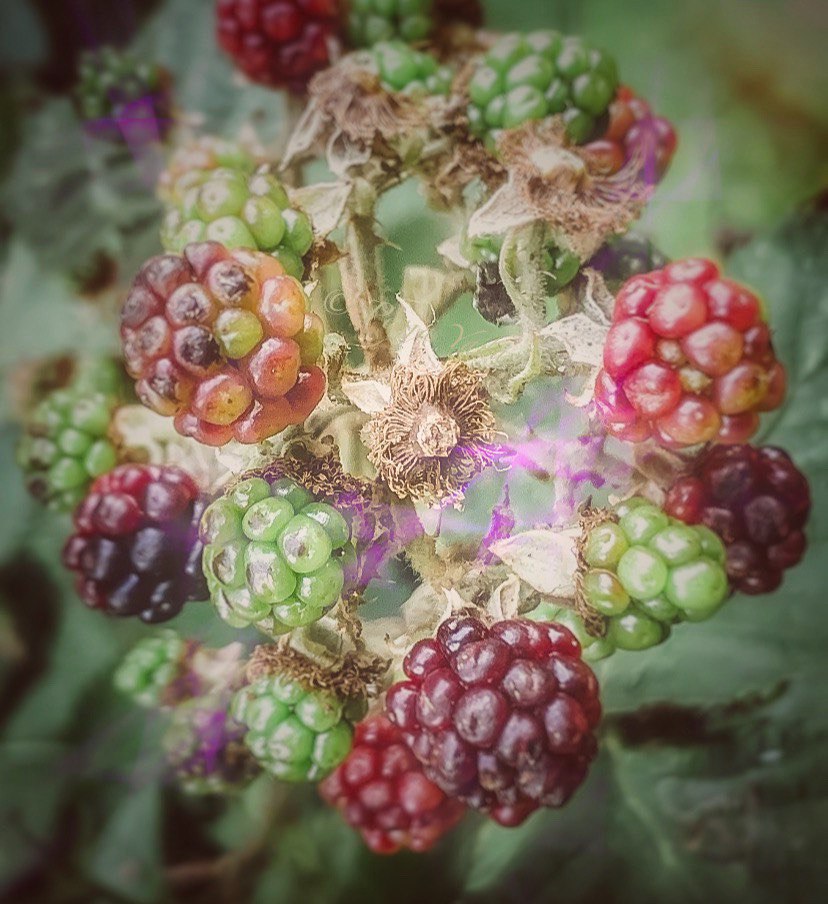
column 363, row 281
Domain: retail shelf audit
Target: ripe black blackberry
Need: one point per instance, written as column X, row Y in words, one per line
column 135, row 549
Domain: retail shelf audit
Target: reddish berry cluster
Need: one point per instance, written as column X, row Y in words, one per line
column 499, row 717
column 633, row 132
column 280, row 42
column 135, row 549
column 381, row 791
column 688, row 359
column 757, row 501
column 222, row 341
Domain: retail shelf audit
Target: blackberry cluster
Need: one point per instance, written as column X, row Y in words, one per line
column 381, row 791
column 116, row 95
column 274, row 556
column 501, row 718
column 297, row 734
column 373, row 21
column 204, row 748
column 688, row 359
column 238, row 207
column 135, row 550
column 529, row 77
column 632, row 131
column 648, row 571
column 150, row 667
column 222, row 340
column 401, row 68
column 491, row 299
column 281, row 43
column 66, row 443
column 757, row 501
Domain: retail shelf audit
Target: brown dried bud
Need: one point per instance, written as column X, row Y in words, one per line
column 435, row 435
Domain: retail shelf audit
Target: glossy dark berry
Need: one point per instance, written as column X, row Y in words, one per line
column 280, row 42
column 135, row 550
column 758, row 501
column 500, row 718
column 688, row 359
column 381, row 791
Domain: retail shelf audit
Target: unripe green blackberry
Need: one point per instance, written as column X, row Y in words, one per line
column 297, row 734
column 647, row 571
column 273, row 556
column 373, row 21
column 66, row 442
column 150, row 667
column 409, row 71
column 119, row 97
column 530, row 77
column 237, row 205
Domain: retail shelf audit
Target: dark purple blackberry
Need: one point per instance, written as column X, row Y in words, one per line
column 501, row 718
column 135, row 549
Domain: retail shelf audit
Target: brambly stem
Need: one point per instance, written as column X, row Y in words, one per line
column 363, row 281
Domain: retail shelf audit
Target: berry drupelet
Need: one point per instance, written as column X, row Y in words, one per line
column 222, row 341
column 500, row 718
column 381, row 791
column 273, row 555
column 757, row 501
column 281, row 43
column 135, row 550
column 688, row 359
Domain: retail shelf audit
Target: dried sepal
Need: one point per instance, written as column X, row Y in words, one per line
column 436, row 434
column 552, row 181
column 354, row 675
column 347, row 101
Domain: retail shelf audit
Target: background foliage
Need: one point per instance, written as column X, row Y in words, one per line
column 711, row 783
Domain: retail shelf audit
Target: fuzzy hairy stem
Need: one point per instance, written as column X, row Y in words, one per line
column 363, row 282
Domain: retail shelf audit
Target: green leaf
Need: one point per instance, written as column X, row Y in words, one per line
column 127, row 859
column 72, row 197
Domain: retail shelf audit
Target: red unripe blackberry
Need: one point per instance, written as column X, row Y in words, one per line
column 223, row 342
column 633, row 131
column 135, row 550
column 280, row 42
column 381, row 791
column 758, row 501
column 688, row 359
column 501, row 718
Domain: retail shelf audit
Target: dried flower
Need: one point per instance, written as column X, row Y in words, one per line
column 436, row 433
